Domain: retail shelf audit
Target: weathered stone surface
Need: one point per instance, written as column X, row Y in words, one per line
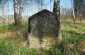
column 43, row 30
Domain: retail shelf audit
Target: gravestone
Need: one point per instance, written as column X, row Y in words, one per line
column 43, row 30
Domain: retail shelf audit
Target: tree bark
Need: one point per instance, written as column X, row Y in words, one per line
column 31, row 7
column 38, row 6
column 41, row 4
column 18, row 16
column 50, row 5
column 2, row 7
column 73, row 10
column 56, row 12
column 20, row 11
column 16, row 13
column 3, row 10
column 56, row 8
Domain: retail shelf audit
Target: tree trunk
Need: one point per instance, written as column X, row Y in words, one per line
column 2, row 7
column 41, row 4
column 8, row 13
column 73, row 10
column 50, row 5
column 38, row 6
column 31, row 7
column 16, row 18
column 3, row 10
column 56, row 9
column 20, row 11
column 56, row 12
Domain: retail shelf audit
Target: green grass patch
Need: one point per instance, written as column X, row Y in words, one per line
column 6, row 28
column 7, row 48
column 73, row 33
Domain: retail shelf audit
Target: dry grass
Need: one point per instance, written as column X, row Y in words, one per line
column 73, row 36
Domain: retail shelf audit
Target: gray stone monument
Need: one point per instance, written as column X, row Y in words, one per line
column 43, row 30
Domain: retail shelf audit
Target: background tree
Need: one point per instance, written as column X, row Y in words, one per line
column 50, row 5
column 79, row 9
column 16, row 12
column 41, row 4
column 20, row 10
column 38, row 5
column 17, row 16
column 56, row 8
column 73, row 10
column 3, row 8
column 31, row 6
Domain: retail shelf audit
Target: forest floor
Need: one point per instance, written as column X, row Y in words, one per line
column 13, row 40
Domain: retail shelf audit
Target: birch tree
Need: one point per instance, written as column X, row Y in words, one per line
column 18, row 12
column 41, row 4
column 50, row 5
column 3, row 10
column 56, row 8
